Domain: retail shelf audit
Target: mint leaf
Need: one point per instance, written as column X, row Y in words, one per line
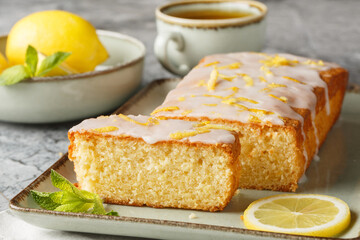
column 112, row 213
column 31, row 59
column 70, row 199
column 62, row 183
column 18, row 73
column 77, row 206
column 14, row 75
column 50, row 62
column 43, row 199
column 98, row 206
column 87, row 194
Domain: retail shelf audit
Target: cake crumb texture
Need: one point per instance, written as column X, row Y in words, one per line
column 127, row 170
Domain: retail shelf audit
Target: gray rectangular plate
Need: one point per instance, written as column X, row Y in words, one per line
column 337, row 173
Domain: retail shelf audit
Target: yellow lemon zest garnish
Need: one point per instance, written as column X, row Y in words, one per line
column 154, row 121
column 265, row 90
column 277, row 61
column 214, row 96
column 201, row 83
column 162, row 118
column 246, row 100
column 260, row 112
column 186, row 112
column 283, row 99
column 212, row 80
column 218, row 126
column 266, row 70
column 233, row 102
column 249, row 81
column 262, row 79
column 312, row 62
column 181, row 99
column 192, row 95
column 229, row 101
column 105, row 129
column 132, row 120
column 181, row 135
column 293, row 79
column 254, row 119
column 210, row 104
column 201, row 124
column 275, row 85
column 212, row 63
column 227, row 78
column 235, row 89
column 234, row 65
column 243, row 108
column 229, row 96
column 165, row 109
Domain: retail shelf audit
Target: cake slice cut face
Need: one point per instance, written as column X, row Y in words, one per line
column 157, row 162
column 281, row 105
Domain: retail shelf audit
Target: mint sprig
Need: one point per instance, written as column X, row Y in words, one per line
column 31, row 59
column 70, row 199
column 19, row 73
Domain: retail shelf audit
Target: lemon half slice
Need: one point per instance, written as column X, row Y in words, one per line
column 302, row 214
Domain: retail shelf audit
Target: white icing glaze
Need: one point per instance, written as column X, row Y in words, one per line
column 298, row 95
column 153, row 133
column 299, row 92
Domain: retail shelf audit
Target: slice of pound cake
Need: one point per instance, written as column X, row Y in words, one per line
column 157, row 162
column 282, row 106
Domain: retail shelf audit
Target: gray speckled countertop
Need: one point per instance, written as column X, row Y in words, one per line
column 326, row 29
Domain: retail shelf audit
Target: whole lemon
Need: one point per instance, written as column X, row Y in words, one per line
column 52, row 31
column 3, row 63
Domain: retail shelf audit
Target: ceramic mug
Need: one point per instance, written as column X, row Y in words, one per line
column 182, row 42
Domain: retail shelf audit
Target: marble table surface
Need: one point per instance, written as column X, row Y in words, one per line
column 326, row 29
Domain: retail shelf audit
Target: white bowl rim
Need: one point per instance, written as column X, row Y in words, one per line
column 99, row 72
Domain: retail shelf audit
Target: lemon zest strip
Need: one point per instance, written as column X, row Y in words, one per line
column 105, row 129
column 181, row 135
column 212, row 80
column 293, row 79
column 212, row 63
column 165, row 109
column 283, row 99
column 234, row 65
column 132, row 120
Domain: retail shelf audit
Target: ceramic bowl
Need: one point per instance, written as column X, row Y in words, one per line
column 77, row 96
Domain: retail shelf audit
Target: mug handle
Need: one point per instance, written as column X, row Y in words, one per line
column 160, row 49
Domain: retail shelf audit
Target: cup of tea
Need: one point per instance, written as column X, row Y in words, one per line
column 189, row 30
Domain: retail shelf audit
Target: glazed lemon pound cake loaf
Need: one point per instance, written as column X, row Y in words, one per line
column 140, row 160
column 281, row 105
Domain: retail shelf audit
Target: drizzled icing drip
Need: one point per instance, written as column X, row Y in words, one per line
column 250, row 87
column 153, row 130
